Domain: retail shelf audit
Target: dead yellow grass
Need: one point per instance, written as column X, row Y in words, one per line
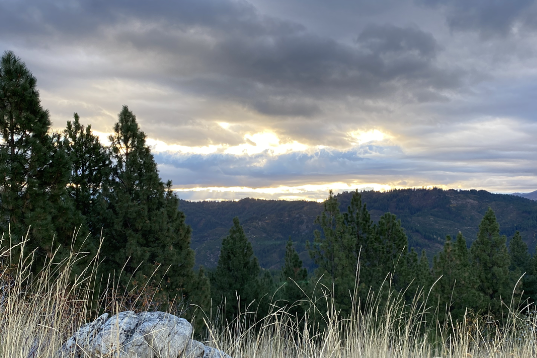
column 38, row 313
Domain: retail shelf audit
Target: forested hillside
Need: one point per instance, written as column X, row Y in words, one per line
column 426, row 215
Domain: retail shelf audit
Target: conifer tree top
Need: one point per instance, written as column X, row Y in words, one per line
column 20, row 108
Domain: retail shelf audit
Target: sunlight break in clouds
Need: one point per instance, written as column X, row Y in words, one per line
column 311, row 192
column 260, row 142
column 362, row 137
column 254, row 144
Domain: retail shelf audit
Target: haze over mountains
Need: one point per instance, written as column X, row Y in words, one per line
column 531, row 196
column 427, row 216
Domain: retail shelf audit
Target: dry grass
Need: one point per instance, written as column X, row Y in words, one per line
column 38, row 313
column 393, row 329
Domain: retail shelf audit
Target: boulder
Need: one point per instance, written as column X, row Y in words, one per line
column 197, row 349
column 137, row 335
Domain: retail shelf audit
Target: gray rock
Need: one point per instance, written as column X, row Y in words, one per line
column 196, row 349
column 130, row 335
column 211, row 352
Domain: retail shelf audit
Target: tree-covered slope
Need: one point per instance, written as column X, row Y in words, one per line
column 427, row 216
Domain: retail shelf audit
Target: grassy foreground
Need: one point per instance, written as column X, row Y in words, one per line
column 38, row 313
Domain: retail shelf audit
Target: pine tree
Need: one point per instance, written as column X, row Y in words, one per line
column 199, row 289
column 519, row 255
column 34, row 169
column 490, row 264
column 455, row 290
column 336, row 249
column 237, row 273
column 389, row 245
column 294, row 277
column 445, row 269
column 144, row 231
column 467, row 282
column 90, row 168
column 424, row 278
column 520, row 261
column 417, row 274
column 360, row 229
column 530, row 282
column 329, row 244
column 349, row 243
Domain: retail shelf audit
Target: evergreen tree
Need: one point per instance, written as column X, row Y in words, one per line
column 417, row 274
column 34, row 169
column 445, row 268
column 424, row 278
column 144, row 232
column 90, row 168
column 348, row 243
column 389, row 245
column 490, row 264
column 467, row 281
column 530, row 280
column 199, row 289
column 237, row 273
column 360, row 229
column 335, row 250
column 455, row 290
column 294, row 278
column 520, row 264
column 518, row 254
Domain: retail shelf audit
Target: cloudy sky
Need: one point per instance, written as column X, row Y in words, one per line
column 288, row 98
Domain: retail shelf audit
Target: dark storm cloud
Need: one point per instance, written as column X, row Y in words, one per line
column 227, row 49
column 488, row 17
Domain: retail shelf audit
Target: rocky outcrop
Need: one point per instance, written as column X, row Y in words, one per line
column 137, row 335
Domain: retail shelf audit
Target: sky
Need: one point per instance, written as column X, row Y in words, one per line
column 286, row 99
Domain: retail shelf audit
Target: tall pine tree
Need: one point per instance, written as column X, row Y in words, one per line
column 335, row 250
column 294, row 278
column 237, row 273
column 90, row 169
column 34, row 168
column 520, row 264
column 455, row 290
column 490, row 265
column 144, row 231
column 389, row 246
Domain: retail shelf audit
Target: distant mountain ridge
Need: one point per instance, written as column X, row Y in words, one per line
column 531, row 196
column 427, row 216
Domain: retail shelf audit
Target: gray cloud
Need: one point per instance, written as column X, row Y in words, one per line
column 227, row 49
column 370, row 163
column 489, row 18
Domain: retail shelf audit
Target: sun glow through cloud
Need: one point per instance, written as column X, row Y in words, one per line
column 310, row 192
column 253, row 144
column 266, row 141
column 361, row 137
